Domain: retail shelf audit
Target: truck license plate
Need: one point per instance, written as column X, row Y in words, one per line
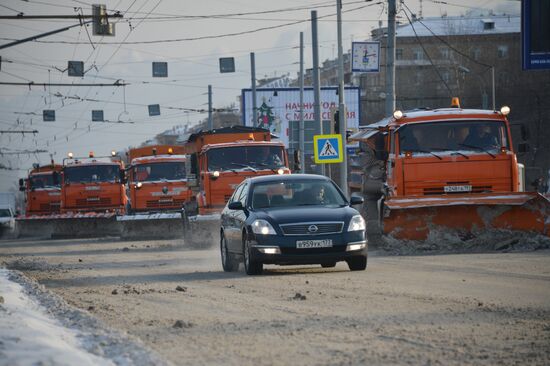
column 306, row 244
column 452, row 189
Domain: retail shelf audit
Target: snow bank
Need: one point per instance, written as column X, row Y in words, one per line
column 30, row 336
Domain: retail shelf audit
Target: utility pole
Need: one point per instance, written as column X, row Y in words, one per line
column 316, row 77
column 341, row 103
column 390, row 59
column 210, row 122
column 302, row 129
column 253, row 81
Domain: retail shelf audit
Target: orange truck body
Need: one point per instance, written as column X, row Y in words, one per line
column 437, row 179
column 43, row 190
column 93, row 185
column 215, row 185
column 156, row 179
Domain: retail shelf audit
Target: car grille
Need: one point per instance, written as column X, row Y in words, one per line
column 322, row 228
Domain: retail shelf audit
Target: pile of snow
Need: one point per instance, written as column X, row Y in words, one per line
column 30, row 336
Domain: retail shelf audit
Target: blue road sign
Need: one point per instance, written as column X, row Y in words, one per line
column 328, row 149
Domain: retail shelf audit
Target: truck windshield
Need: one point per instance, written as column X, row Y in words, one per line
column 248, row 157
column 472, row 135
column 159, row 171
column 92, row 174
column 42, row 181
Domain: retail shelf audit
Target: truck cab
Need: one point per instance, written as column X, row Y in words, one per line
column 93, row 184
column 42, row 190
column 221, row 159
column 157, row 179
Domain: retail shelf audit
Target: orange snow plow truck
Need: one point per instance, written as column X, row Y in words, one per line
column 157, row 192
column 450, row 170
column 92, row 195
column 219, row 160
column 42, row 190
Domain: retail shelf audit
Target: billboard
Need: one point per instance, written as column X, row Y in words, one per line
column 535, row 34
column 279, row 111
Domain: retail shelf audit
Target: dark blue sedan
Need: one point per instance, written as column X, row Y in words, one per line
column 291, row 219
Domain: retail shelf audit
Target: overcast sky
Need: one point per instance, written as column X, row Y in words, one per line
column 192, row 64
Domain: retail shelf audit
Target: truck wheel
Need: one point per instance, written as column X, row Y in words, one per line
column 229, row 263
column 357, row 263
column 251, row 266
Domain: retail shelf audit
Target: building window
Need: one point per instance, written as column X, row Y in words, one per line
column 488, row 25
column 502, row 51
column 418, row 54
column 445, row 53
column 476, row 53
column 398, row 53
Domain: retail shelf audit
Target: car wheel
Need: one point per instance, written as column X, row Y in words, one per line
column 251, row 266
column 229, row 263
column 328, row 265
column 357, row 263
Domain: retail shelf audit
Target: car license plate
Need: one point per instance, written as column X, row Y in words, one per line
column 451, row 189
column 306, row 244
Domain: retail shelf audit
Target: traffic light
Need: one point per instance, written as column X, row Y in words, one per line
column 336, row 120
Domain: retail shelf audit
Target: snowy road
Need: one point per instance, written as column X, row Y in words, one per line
column 462, row 309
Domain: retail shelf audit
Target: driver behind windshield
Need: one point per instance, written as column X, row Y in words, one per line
column 269, row 158
column 481, row 136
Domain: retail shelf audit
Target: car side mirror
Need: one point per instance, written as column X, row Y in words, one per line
column 237, row 205
column 356, row 200
column 523, row 147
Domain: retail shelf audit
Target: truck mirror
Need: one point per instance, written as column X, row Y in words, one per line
column 21, row 184
column 122, row 176
column 523, row 147
column 55, row 178
column 524, row 132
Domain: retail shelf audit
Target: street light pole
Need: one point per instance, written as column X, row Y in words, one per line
column 341, row 102
column 302, row 129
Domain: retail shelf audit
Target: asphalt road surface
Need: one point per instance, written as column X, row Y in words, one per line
column 466, row 309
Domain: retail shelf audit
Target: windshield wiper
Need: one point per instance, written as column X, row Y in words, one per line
column 453, row 151
column 479, row 148
column 244, row 166
column 427, row 152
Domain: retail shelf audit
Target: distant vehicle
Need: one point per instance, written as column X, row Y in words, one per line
column 42, row 190
column 7, row 213
column 291, row 219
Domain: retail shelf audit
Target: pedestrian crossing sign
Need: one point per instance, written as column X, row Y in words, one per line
column 328, row 149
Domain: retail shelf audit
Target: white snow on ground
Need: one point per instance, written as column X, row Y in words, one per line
column 30, row 336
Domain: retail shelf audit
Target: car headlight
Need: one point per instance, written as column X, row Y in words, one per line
column 263, row 227
column 356, row 223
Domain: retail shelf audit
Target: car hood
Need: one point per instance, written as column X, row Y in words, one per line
column 306, row 214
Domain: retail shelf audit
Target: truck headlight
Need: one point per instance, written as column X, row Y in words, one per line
column 263, row 227
column 356, row 223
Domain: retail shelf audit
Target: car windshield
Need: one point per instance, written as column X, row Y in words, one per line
column 4, row 212
column 296, row 193
column 472, row 135
column 42, row 181
column 249, row 157
column 92, row 173
column 159, row 171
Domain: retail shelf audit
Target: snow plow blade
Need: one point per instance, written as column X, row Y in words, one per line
column 413, row 217
column 78, row 225
column 201, row 231
column 151, row 226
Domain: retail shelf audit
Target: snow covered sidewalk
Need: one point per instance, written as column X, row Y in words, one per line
column 30, row 336
column 33, row 333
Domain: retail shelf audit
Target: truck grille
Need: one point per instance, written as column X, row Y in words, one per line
column 164, row 203
column 93, row 201
column 322, row 228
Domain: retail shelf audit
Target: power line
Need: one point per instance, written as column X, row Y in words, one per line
column 428, row 55
column 225, row 35
column 32, row 83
